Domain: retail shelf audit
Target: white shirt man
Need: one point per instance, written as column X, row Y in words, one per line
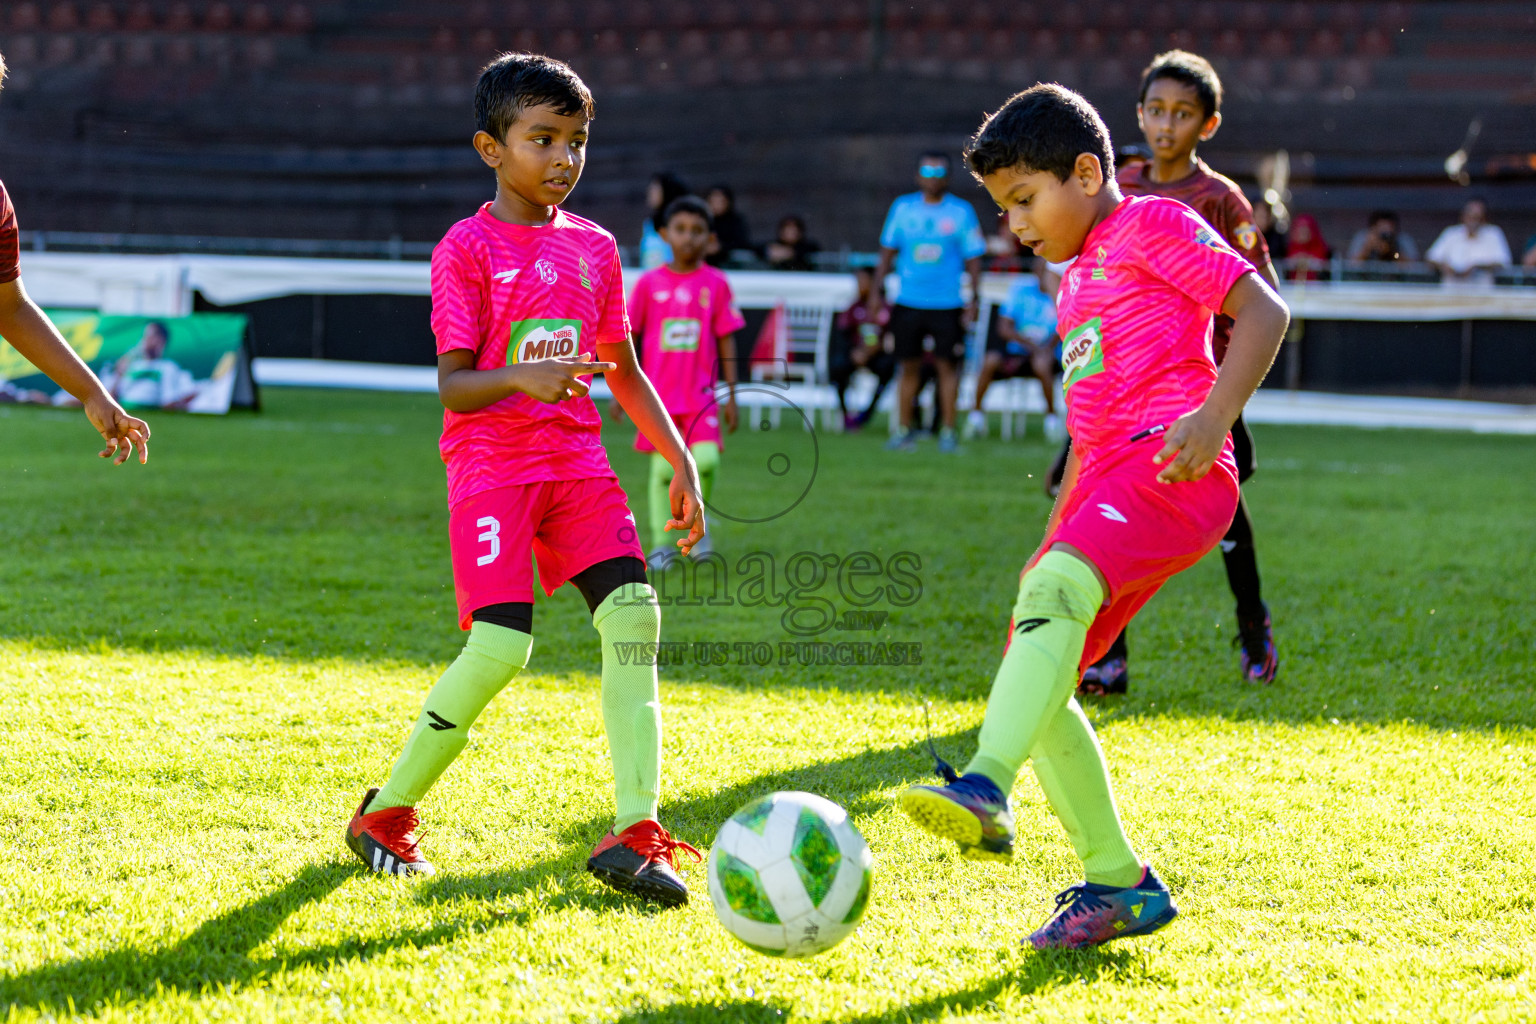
column 1472, row 249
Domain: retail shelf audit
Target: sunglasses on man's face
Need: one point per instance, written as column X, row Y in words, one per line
column 933, row 171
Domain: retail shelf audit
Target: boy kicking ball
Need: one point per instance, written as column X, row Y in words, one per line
column 521, row 292
column 1150, row 486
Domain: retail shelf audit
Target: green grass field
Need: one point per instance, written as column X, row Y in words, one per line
column 204, row 661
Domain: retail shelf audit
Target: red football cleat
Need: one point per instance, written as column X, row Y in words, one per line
column 641, row 861
column 385, row 841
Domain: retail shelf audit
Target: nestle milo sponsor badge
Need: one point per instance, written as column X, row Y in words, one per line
column 1082, row 352
column 543, row 339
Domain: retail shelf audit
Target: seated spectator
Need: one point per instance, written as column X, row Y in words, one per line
column 790, row 249
column 1307, row 254
column 731, row 231
column 1023, row 344
column 1382, row 239
column 859, row 342
column 1528, row 261
column 1472, row 249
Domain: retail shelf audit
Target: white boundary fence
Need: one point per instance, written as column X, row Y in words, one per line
column 164, row 286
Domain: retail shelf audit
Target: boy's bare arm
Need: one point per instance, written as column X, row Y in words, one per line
column 32, row 334
column 1194, row 441
column 877, row 282
column 463, row 388
column 727, row 350
column 632, row 389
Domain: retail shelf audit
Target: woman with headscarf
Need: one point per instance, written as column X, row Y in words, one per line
column 1306, row 253
column 654, row 250
column 731, row 232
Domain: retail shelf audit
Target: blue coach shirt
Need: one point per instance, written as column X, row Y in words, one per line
column 1031, row 310
column 932, row 243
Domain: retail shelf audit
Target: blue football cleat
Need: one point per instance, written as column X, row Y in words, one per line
column 1256, row 642
column 1088, row 914
column 969, row 809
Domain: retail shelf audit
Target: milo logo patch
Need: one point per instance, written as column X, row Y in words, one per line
column 543, row 339
column 680, row 334
column 1082, row 353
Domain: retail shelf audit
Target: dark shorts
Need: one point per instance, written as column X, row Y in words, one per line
column 1017, row 364
column 910, row 327
column 1242, row 451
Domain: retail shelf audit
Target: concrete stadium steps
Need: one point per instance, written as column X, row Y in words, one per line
column 182, row 112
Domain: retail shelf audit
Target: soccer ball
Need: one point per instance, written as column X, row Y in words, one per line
column 789, row 875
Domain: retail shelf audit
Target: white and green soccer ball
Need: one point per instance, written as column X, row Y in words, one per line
column 789, row 875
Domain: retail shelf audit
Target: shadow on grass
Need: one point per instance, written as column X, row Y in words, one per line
column 216, row 954
column 1037, row 972
column 853, row 781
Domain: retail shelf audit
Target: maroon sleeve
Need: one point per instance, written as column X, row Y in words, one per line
column 1240, row 231
column 10, row 249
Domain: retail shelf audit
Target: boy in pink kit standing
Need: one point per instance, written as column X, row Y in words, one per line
column 686, row 318
column 522, row 293
column 1150, row 486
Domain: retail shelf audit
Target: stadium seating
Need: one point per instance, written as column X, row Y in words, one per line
column 223, row 71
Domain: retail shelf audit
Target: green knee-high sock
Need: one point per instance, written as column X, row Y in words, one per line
column 706, row 455
column 1070, row 766
column 1057, row 601
column 631, row 704
column 491, row 657
column 660, row 500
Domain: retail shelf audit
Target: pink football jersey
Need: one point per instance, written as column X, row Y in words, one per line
column 680, row 319
column 511, row 293
column 1135, row 315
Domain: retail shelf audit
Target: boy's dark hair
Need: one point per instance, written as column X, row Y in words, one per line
column 935, row 154
column 1377, row 216
column 1189, row 68
column 515, row 81
column 689, row 204
column 1043, row 128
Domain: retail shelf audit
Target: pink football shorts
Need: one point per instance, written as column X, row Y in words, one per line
column 1140, row 533
column 695, row 427
column 569, row 525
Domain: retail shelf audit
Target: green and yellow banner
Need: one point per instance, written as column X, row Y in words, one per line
column 197, row 363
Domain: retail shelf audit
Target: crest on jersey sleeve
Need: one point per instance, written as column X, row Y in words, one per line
column 1206, row 236
column 1247, row 235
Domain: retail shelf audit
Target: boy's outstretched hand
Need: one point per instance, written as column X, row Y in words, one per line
column 687, row 499
column 123, row 433
column 731, row 414
column 555, row 380
column 1194, row 444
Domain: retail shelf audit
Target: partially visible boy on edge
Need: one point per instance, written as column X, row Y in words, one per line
column 1179, row 108
column 31, row 333
column 523, row 294
column 1150, row 487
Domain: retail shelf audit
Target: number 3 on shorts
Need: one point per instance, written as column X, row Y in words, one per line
column 491, row 536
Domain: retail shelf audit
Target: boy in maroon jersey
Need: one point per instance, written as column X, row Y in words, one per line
column 32, row 334
column 1179, row 108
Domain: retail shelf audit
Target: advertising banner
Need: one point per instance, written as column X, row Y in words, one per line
column 196, row 363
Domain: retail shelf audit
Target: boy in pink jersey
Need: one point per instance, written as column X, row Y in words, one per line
column 1150, row 486
column 686, row 318
column 522, row 293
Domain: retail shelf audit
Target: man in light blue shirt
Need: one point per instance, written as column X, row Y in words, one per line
column 933, row 239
